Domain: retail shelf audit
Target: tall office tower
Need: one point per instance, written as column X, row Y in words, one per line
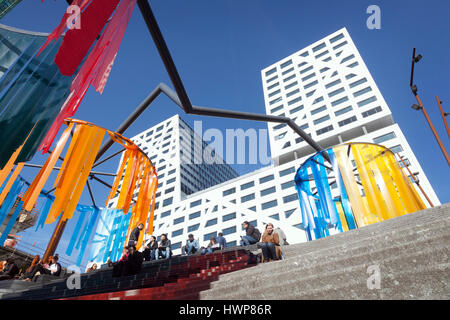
column 329, row 92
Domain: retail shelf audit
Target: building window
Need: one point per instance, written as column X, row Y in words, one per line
column 288, row 213
column 269, row 204
column 271, row 71
column 211, row 222
column 287, row 171
column 165, row 214
column 342, row 111
column 322, row 54
column 178, row 220
column 266, row 179
column 336, row 38
column 320, row 46
column 267, row 191
column 280, row 126
column 208, row 236
column 289, row 94
column 289, row 78
column 309, row 85
column 397, row 149
column 385, row 137
column 167, row 202
column 336, row 92
column 309, row 77
column 287, row 185
column 275, row 216
column 196, row 203
column 247, row 185
column 275, row 101
column 290, row 85
column 294, row 101
column 339, row 101
column 194, row 215
column 316, row 111
column 361, row 92
column 274, row 93
column 370, row 112
column 229, row 216
column 193, row 227
column 347, row 58
column 247, row 197
column 273, row 86
column 296, row 109
column 285, row 64
column 332, row 84
column 229, row 191
column 175, row 246
column 290, row 198
column 340, row 45
column 324, row 130
column 357, row 83
column 347, row 121
column 306, row 69
column 228, row 231
column 287, row 71
column 177, row 233
column 271, row 79
column 276, row 109
column 320, row 120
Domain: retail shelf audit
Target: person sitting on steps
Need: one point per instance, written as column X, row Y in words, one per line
column 270, row 245
column 252, row 234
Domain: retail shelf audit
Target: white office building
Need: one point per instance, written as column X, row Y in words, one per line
column 328, row 90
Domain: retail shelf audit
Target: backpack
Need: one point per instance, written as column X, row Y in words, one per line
column 257, row 234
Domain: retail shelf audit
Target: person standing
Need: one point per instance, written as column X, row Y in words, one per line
column 134, row 236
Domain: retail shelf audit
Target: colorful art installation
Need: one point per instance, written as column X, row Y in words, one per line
column 136, row 172
column 34, row 91
column 75, row 46
column 363, row 185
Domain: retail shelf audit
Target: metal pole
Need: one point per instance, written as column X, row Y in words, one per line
column 416, row 181
column 54, row 240
column 433, row 129
column 443, row 116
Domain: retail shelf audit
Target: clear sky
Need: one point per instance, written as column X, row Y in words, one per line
column 220, row 46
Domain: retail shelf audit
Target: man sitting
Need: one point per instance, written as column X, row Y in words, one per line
column 163, row 248
column 221, row 241
column 191, row 246
column 252, row 234
column 10, row 270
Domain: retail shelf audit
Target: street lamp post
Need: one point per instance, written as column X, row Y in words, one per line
column 420, row 106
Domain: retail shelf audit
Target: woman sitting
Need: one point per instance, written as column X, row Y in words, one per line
column 28, row 271
column 212, row 246
column 270, row 245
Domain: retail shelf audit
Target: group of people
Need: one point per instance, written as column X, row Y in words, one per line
column 11, row 270
column 270, row 242
column 192, row 246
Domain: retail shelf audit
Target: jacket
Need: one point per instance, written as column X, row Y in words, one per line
column 221, row 241
column 194, row 244
column 165, row 244
column 57, row 268
column 275, row 240
column 135, row 234
column 152, row 246
column 253, row 232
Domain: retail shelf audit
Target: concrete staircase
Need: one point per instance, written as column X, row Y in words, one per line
column 411, row 252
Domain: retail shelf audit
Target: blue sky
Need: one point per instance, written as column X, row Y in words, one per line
column 220, row 46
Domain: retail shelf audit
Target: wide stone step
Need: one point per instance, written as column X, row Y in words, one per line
column 298, row 282
column 353, row 237
column 436, row 235
column 287, row 270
